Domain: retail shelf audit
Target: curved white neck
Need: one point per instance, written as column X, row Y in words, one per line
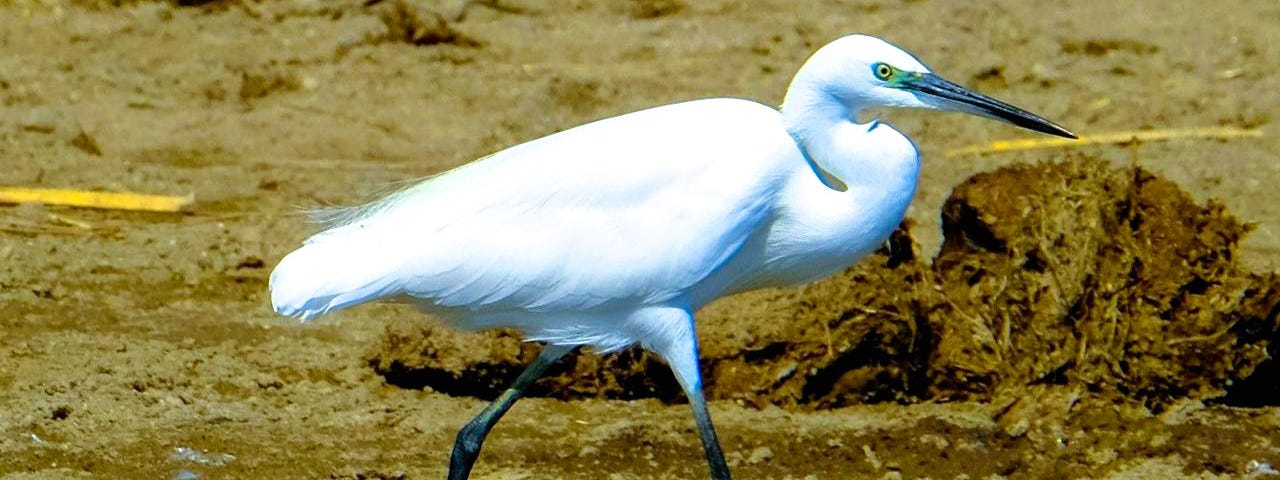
column 817, row 120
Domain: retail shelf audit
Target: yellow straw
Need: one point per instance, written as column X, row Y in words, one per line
column 90, row 199
column 1106, row 138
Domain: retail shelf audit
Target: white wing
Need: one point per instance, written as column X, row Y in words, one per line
column 635, row 209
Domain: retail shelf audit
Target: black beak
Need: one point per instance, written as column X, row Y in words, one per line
column 946, row 95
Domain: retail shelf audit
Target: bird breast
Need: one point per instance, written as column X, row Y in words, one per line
column 817, row 231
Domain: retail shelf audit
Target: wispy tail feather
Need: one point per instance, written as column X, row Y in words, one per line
column 327, row 275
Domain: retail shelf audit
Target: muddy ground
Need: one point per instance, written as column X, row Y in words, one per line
column 141, row 345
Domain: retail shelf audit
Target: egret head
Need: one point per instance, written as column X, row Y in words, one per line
column 860, row 71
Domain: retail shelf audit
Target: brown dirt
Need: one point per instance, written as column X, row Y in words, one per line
column 1136, row 315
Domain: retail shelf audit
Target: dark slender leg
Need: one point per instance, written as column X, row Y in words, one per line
column 466, row 448
column 681, row 353
column 707, row 432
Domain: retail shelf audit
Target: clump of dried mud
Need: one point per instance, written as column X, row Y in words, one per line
column 1058, row 281
column 1112, row 280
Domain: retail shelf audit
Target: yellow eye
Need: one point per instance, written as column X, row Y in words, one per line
column 882, row 71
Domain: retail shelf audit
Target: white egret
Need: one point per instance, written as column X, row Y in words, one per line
column 615, row 232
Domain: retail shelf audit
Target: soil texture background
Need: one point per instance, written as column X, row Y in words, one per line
column 1106, row 311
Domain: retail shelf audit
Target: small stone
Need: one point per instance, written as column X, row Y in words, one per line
column 40, row 120
column 759, row 455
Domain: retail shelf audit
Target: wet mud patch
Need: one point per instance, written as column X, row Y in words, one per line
column 1057, row 282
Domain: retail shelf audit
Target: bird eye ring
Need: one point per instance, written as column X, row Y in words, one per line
column 882, row 71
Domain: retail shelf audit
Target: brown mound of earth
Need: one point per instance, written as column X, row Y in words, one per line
column 1056, row 281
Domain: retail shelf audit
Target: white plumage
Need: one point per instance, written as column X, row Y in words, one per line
column 615, row 232
column 596, row 220
column 592, row 219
